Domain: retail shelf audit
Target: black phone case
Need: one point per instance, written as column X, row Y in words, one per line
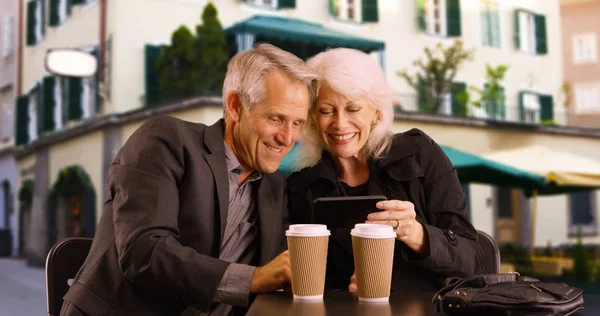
column 345, row 211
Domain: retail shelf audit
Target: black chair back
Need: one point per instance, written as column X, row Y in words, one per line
column 491, row 253
column 62, row 264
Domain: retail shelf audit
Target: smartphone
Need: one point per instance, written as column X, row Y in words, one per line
column 345, row 211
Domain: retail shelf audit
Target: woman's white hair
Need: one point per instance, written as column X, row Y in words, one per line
column 357, row 76
column 247, row 70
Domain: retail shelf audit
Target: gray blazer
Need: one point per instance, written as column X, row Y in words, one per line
column 155, row 248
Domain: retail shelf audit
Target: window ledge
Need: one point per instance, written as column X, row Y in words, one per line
column 337, row 23
column 261, row 9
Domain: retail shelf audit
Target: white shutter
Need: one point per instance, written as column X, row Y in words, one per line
column 8, row 122
column 38, row 21
column 62, row 11
column 58, row 103
column 86, row 104
column 32, row 128
column 8, row 35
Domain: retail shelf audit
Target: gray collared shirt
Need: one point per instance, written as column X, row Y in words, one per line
column 239, row 240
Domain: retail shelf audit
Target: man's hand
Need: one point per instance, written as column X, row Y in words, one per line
column 273, row 276
column 352, row 287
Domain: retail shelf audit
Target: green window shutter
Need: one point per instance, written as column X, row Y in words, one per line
column 370, row 12
column 517, row 36
column 74, row 109
column 22, row 137
column 49, row 104
column 76, row 2
column 453, row 17
column 286, row 4
column 495, row 27
column 333, row 7
column 31, row 7
column 96, row 52
column 541, row 41
column 547, row 108
column 42, row 3
column 501, row 106
column 485, row 26
column 457, row 91
column 69, row 7
column 39, row 111
column 422, row 101
column 54, row 15
column 64, row 89
column 152, row 52
column 421, row 24
column 521, row 107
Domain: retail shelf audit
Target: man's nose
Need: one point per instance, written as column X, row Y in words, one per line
column 286, row 135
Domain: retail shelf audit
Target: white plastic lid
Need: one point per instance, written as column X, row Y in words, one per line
column 373, row 231
column 307, row 230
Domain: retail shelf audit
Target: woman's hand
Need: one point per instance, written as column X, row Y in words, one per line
column 401, row 216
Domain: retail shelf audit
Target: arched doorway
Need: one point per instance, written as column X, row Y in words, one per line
column 71, row 206
column 25, row 197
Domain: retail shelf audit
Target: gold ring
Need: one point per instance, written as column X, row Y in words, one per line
column 398, row 226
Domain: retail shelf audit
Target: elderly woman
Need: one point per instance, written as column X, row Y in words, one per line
column 348, row 150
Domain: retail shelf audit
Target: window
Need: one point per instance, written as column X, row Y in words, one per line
column 435, row 17
column 581, row 210
column 530, row 32
column 490, row 23
column 6, row 101
column 8, row 36
column 531, row 107
column 505, row 203
column 527, row 32
column 587, row 98
column 270, row 3
column 348, row 10
column 439, row 17
column 35, row 21
column 88, row 97
column 494, row 102
column 584, row 48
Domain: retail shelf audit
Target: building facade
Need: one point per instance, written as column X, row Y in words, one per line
column 68, row 130
column 581, row 60
column 8, row 93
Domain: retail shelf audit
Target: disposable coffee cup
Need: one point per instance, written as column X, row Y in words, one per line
column 373, row 247
column 307, row 245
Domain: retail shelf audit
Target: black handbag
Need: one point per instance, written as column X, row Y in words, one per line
column 506, row 294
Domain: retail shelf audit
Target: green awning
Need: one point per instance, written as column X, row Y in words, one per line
column 473, row 168
column 305, row 32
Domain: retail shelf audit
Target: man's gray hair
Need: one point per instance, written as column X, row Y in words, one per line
column 247, row 70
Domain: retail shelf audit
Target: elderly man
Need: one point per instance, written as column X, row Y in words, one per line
column 194, row 209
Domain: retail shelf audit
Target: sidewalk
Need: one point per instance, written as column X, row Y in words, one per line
column 22, row 288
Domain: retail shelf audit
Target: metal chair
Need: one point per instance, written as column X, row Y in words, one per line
column 491, row 253
column 62, row 264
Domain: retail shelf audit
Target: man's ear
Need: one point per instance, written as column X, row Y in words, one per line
column 233, row 106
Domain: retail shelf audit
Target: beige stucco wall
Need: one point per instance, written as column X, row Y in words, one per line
column 26, row 166
column 85, row 151
column 79, row 30
column 206, row 115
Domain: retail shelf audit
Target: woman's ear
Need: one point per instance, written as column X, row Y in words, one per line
column 377, row 117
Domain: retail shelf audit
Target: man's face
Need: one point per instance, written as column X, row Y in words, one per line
column 264, row 134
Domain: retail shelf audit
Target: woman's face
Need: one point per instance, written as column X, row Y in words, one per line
column 343, row 125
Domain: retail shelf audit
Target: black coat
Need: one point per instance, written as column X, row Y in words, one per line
column 416, row 170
